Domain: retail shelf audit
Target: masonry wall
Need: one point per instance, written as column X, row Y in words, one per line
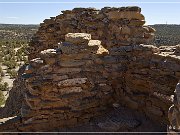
column 113, row 26
column 149, row 79
column 73, row 77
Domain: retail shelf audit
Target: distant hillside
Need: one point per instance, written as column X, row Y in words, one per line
column 17, row 31
column 167, row 34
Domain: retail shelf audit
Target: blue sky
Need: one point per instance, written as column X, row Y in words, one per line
column 155, row 11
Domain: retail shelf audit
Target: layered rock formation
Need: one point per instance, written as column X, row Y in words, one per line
column 71, row 78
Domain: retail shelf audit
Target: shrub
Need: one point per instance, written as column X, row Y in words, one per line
column 2, row 98
column 4, row 87
column 10, row 64
column 12, row 73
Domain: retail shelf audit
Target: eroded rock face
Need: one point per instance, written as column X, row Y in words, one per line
column 85, row 61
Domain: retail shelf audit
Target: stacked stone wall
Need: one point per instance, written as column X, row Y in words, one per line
column 84, row 61
column 113, row 26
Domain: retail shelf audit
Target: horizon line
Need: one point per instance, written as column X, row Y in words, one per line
column 54, row 2
column 39, row 24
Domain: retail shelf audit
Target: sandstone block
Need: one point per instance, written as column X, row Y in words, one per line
column 48, row 53
column 37, row 62
column 133, row 8
column 50, row 61
column 125, row 30
column 137, row 22
column 72, row 82
column 71, row 63
column 56, row 77
column 67, row 70
column 69, row 90
column 115, row 15
column 77, row 38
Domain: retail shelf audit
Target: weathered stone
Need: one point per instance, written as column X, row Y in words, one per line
column 77, row 38
column 70, row 90
column 72, row 82
column 137, row 23
column 50, row 61
column 115, row 15
column 56, row 77
column 67, row 70
column 71, row 63
column 48, row 53
column 37, row 62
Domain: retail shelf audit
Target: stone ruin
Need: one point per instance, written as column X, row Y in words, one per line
column 85, row 64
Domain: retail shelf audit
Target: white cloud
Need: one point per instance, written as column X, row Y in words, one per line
column 12, row 17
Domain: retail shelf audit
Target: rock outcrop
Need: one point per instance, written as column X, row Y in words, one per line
column 85, row 61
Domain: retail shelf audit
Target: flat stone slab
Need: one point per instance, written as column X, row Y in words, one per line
column 78, row 38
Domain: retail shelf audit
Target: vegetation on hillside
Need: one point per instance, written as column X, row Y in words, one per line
column 13, row 42
column 17, row 32
column 166, row 35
